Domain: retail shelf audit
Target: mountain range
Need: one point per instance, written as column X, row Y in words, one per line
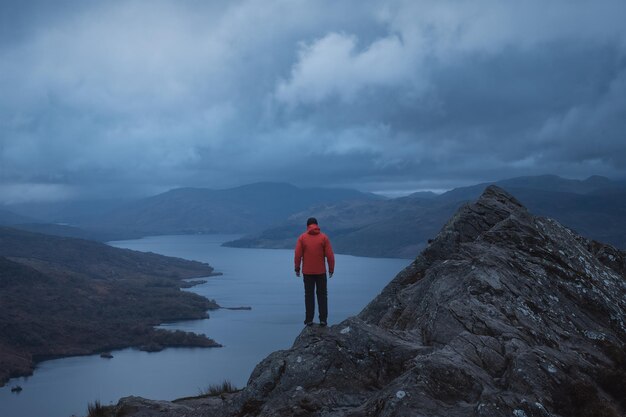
column 272, row 215
column 243, row 209
column 8, row 217
column 235, row 210
column 595, row 208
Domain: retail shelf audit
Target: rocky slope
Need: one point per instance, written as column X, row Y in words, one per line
column 503, row 314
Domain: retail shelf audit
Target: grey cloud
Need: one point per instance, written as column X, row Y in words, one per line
column 402, row 94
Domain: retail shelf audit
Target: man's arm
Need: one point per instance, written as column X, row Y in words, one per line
column 330, row 257
column 297, row 259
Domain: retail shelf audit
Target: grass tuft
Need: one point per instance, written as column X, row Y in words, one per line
column 218, row 389
column 96, row 409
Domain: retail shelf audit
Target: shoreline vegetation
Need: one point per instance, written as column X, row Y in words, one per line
column 62, row 297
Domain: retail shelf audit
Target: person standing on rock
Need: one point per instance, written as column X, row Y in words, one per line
column 313, row 250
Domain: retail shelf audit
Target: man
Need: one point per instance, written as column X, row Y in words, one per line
column 312, row 250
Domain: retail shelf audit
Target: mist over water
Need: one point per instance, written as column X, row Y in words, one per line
column 262, row 279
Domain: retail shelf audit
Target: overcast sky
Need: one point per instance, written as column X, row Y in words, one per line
column 123, row 97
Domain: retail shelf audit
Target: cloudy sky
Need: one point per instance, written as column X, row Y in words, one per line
column 124, row 97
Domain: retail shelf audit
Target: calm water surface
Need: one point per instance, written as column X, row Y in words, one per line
column 260, row 278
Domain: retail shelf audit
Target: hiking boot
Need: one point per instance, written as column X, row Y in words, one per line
column 323, row 324
column 308, row 323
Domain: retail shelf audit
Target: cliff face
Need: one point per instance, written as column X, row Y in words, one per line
column 503, row 314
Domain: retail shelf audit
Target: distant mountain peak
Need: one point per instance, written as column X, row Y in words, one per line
column 263, row 184
column 242, row 209
column 494, row 205
column 10, row 218
column 598, row 179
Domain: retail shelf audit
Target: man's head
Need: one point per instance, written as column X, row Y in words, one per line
column 311, row 220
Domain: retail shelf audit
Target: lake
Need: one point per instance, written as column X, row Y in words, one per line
column 262, row 279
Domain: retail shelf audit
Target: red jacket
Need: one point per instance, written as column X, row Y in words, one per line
column 311, row 249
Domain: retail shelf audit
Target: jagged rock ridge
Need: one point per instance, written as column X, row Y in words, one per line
column 504, row 314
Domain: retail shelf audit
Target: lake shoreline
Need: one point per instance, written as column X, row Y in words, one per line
column 39, row 359
column 23, row 363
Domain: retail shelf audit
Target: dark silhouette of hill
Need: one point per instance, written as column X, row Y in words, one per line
column 242, row 209
column 547, row 183
column 67, row 212
column 423, row 195
column 504, row 314
column 76, row 232
column 234, row 210
column 64, row 296
column 271, row 214
column 595, row 207
column 600, row 214
column 390, row 228
column 9, row 218
column 60, row 219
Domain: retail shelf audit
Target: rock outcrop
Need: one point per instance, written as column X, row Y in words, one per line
column 503, row 314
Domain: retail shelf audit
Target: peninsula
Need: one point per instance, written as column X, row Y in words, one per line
column 62, row 296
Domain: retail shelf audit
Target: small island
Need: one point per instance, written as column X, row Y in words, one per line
column 62, row 297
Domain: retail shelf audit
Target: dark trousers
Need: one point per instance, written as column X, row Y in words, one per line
column 311, row 284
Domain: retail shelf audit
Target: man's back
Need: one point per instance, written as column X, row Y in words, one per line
column 313, row 248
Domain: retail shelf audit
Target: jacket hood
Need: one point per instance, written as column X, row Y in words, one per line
column 313, row 229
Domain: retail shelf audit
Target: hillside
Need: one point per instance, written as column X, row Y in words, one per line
column 595, row 208
column 64, row 296
column 236, row 210
column 76, row 232
column 391, row 228
column 548, row 183
column 71, row 212
column 503, row 314
column 8, row 218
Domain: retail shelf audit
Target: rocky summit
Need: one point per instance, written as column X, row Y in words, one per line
column 503, row 314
